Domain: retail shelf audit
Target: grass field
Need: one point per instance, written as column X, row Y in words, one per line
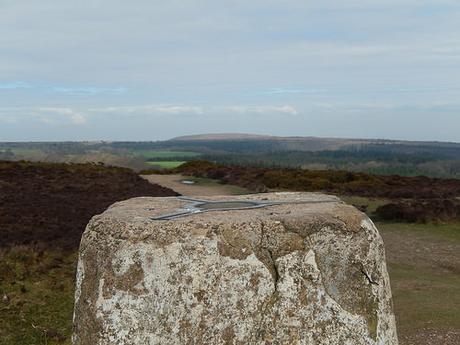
column 424, row 266
column 166, row 159
column 25, row 152
column 165, row 164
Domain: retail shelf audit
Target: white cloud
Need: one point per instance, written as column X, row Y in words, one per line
column 196, row 110
column 75, row 117
column 48, row 115
column 53, row 115
column 154, row 109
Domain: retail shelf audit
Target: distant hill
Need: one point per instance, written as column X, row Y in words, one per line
column 223, row 136
column 378, row 156
column 249, row 136
column 309, row 143
column 274, row 142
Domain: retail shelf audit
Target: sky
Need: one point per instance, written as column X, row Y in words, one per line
column 152, row 70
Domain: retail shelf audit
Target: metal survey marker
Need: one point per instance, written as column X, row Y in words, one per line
column 195, row 206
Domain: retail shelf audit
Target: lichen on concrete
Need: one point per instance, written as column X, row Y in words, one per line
column 311, row 273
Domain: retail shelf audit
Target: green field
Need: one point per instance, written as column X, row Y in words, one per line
column 166, row 159
column 166, row 164
column 24, row 152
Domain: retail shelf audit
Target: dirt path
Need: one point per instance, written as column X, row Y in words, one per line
column 200, row 186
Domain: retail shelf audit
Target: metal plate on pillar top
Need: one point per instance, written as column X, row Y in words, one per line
column 194, row 206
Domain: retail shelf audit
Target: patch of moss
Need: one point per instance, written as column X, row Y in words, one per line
column 37, row 296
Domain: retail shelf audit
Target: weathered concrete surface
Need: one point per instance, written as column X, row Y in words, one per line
column 286, row 274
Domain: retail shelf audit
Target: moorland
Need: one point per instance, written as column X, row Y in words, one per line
column 44, row 209
column 45, row 206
